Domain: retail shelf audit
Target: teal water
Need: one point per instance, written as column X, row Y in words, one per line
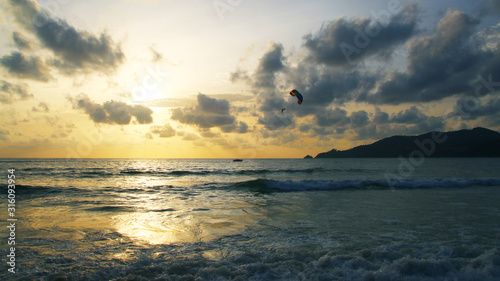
column 270, row 219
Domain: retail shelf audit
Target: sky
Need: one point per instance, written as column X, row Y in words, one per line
column 209, row 78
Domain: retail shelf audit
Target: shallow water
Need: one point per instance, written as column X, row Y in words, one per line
column 299, row 219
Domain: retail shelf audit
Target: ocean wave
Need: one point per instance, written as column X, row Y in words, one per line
column 111, row 209
column 37, row 190
column 267, row 171
column 266, row 185
column 106, row 172
column 218, row 172
column 445, row 261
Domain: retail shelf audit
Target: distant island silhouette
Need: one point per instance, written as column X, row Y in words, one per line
column 478, row 142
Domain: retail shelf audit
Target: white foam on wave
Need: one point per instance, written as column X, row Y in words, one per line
column 234, row 261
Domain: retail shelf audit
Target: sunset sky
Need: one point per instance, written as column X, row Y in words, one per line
column 209, row 79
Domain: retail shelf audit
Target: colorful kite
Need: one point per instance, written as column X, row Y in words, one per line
column 296, row 93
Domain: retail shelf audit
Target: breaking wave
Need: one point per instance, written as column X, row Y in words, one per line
column 265, row 185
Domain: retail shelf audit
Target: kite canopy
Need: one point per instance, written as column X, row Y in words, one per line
column 296, row 93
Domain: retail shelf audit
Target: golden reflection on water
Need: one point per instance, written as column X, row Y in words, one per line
column 142, row 223
column 192, row 225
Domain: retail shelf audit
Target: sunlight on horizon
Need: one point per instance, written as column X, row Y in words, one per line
column 175, row 80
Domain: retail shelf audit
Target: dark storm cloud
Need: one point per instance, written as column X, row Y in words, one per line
column 11, row 92
column 442, row 65
column 335, row 117
column 26, row 67
column 412, row 118
column 344, row 41
column 364, row 125
column 488, row 7
column 381, row 128
column 270, row 64
column 496, row 6
column 270, row 104
column 324, row 86
column 112, row 112
column 359, row 119
column 209, row 113
column 489, row 77
column 453, row 60
column 76, row 49
column 434, row 59
column 470, row 108
column 409, row 116
column 380, row 117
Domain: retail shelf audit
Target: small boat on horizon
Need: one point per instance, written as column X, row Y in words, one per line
column 237, row 160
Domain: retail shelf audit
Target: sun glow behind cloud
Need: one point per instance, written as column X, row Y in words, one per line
column 181, row 79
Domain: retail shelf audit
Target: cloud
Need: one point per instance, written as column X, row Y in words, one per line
column 201, row 120
column 488, row 7
column 409, row 116
column 453, row 60
column 242, row 127
column 188, row 136
column 329, row 117
column 165, row 131
column 142, row 114
column 20, row 66
column 42, row 107
column 209, row 113
column 380, row 117
column 60, row 127
column 264, row 77
column 325, row 86
column 76, row 50
column 470, row 108
column 12, row 92
column 20, row 41
column 112, row 112
column 344, row 41
column 363, row 125
column 4, row 135
column 117, row 112
column 496, row 6
column 442, row 65
column 212, row 106
column 274, row 122
column 270, row 64
column 359, row 119
column 156, row 55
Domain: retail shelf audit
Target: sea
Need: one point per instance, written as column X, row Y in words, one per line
column 258, row 219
